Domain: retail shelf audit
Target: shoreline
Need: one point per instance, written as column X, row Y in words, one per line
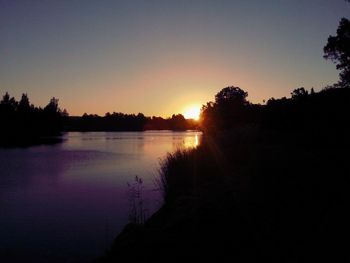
column 247, row 205
column 24, row 142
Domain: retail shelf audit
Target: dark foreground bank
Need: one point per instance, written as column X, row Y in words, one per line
column 258, row 191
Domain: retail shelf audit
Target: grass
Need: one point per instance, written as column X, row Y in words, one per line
column 249, row 196
column 137, row 209
column 174, row 178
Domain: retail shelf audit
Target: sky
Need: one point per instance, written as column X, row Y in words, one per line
column 160, row 57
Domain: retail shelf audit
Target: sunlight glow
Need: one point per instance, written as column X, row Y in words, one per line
column 196, row 140
column 191, row 141
column 192, row 112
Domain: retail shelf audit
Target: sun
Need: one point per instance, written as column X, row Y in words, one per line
column 192, row 112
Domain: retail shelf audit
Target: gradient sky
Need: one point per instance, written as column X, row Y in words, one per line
column 158, row 57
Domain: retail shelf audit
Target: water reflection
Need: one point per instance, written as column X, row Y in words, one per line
column 191, row 142
column 68, row 201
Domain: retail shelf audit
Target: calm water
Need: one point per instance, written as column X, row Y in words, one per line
column 66, row 202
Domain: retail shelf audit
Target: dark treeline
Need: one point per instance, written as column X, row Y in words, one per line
column 128, row 122
column 22, row 123
column 318, row 112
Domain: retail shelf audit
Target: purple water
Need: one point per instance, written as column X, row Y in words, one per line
column 66, row 202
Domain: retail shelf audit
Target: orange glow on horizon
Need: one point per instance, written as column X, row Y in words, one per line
column 192, row 112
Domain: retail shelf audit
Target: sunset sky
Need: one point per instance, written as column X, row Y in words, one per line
column 159, row 57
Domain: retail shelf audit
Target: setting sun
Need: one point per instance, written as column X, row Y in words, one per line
column 192, row 112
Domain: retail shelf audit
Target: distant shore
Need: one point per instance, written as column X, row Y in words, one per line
column 128, row 122
column 23, row 142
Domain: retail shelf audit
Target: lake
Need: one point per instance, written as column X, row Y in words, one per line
column 67, row 202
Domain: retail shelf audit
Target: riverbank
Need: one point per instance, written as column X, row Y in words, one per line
column 252, row 193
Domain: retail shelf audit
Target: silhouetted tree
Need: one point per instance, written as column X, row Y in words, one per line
column 178, row 122
column 23, row 123
column 24, row 105
column 5, row 99
column 338, row 50
column 65, row 113
column 299, row 93
column 231, row 95
column 52, row 107
column 207, row 115
column 230, row 108
column 8, row 104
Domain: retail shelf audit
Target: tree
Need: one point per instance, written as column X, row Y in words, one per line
column 65, row 113
column 299, row 93
column 178, row 122
column 52, row 107
column 231, row 95
column 230, row 109
column 338, row 51
column 9, row 103
column 6, row 99
column 207, row 116
column 24, row 104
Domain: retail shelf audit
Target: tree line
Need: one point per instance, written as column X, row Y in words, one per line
column 118, row 121
column 22, row 122
column 313, row 112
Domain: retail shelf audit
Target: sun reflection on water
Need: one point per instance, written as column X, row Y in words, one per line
column 191, row 141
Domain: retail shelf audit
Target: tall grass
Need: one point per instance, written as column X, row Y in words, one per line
column 137, row 209
column 176, row 177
